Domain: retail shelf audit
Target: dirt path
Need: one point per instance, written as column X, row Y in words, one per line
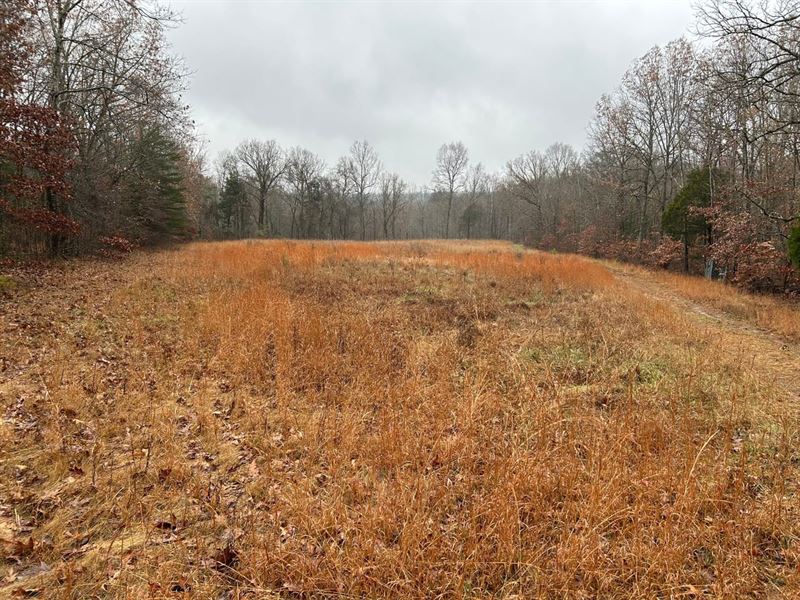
column 774, row 354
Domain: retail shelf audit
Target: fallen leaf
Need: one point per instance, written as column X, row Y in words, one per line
column 226, row 557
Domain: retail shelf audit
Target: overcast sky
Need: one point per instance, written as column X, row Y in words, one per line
column 409, row 76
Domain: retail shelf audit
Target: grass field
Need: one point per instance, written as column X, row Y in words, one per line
column 423, row 419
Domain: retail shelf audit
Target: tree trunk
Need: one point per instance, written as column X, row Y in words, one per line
column 56, row 89
column 449, row 207
column 685, row 254
column 262, row 210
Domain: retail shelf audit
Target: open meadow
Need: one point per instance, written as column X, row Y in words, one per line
column 275, row 419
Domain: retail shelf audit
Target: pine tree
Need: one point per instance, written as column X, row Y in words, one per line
column 794, row 246
column 231, row 199
column 681, row 220
column 158, row 203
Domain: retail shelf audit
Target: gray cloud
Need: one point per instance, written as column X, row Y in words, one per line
column 408, row 76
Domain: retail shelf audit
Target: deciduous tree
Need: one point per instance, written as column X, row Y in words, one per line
column 448, row 176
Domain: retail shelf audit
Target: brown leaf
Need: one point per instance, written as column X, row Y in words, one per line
column 226, row 557
column 20, row 548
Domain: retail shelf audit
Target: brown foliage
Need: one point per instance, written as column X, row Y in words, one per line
column 35, row 142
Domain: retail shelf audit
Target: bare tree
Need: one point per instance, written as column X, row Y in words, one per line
column 448, row 177
column 640, row 94
column 475, row 188
column 266, row 164
column 527, row 175
column 342, row 187
column 303, row 172
column 562, row 163
column 364, row 169
column 561, row 159
column 392, row 202
column 677, row 90
column 528, row 172
column 771, row 29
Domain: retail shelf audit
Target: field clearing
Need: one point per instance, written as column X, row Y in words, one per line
column 274, row 419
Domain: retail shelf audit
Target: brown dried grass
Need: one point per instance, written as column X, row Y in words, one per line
column 772, row 313
column 421, row 419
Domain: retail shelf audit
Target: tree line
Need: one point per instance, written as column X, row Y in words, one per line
column 96, row 146
column 266, row 190
column 692, row 160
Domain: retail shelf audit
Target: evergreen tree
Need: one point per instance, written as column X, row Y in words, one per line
column 681, row 220
column 231, row 200
column 158, row 203
column 470, row 219
column 794, row 246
